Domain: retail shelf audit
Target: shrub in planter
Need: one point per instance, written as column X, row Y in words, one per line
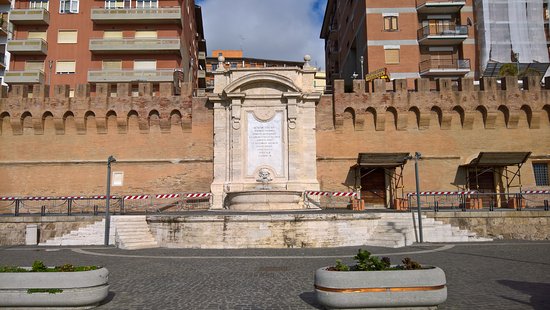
column 375, row 283
column 62, row 286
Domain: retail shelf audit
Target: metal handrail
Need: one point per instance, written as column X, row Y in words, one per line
column 428, row 64
column 442, row 30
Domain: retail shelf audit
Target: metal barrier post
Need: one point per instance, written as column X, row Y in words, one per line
column 463, row 202
column 95, row 209
column 518, row 201
column 43, row 210
column 492, row 205
column 69, row 206
column 436, row 206
column 17, row 203
column 546, row 205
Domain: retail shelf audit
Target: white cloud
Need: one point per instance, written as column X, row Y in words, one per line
column 270, row 29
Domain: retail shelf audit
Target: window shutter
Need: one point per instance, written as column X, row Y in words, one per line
column 146, row 34
column 65, row 67
column 392, row 56
column 112, row 35
column 145, row 65
column 67, row 36
column 34, row 65
column 112, row 65
column 37, row 35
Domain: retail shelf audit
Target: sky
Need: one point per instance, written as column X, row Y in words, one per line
column 269, row 29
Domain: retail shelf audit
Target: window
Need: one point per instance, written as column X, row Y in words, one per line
column 65, row 66
column 146, row 34
column 214, row 67
column 108, row 34
column 233, row 65
column 390, row 23
column 117, row 4
column 391, row 55
column 112, row 65
column 147, row 4
column 67, row 36
column 34, row 65
column 37, row 35
column 145, row 65
column 68, row 6
column 541, row 174
column 38, row 4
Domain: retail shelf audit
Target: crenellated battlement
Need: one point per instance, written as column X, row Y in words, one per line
column 491, row 99
column 98, row 106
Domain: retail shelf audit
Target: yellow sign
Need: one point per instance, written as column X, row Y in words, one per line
column 378, row 74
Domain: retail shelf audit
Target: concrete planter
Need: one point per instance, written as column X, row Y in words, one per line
column 79, row 289
column 423, row 288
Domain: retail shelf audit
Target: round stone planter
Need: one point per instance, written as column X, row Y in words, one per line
column 79, row 289
column 424, row 288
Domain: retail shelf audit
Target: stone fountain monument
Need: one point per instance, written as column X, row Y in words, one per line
column 264, row 137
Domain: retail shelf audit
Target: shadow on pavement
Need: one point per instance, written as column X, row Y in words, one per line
column 540, row 299
column 310, row 299
column 108, row 299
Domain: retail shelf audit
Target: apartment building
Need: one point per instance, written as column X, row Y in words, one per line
column 73, row 42
column 5, row 6
column 409, row 38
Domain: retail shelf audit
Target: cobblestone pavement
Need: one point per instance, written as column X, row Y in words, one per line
column 503, row 274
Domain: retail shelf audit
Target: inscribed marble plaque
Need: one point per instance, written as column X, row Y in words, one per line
column 265, row 143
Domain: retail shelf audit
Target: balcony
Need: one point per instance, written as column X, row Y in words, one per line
column 135, row 46
column 2, row 61
column 439, row 6
column 28, row 47
column 30, row 17
column 24, row 77
column 442, row 34
column 201, row 74
column 202, row 55
column 444, row 67
column 127, row 76
column 137, row 16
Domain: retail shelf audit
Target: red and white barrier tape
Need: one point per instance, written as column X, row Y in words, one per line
column 9, row 198
column 72, row 197
column 344, row 194
column 38, row 198
column 165, row 196
column 535, row 192
column 103, row 197
column 198, row 195
column 444, row 193
column 136, row 197
column 313, row 193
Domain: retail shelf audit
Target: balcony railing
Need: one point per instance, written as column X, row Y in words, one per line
column 28, row 47
column 445, row 65
column 24, row 77
column 141, row 45
column 442, row 31
column 29, row 17
column 126, row 76
column 137, row 15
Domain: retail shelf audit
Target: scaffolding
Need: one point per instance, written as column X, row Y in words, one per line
column 510, row 31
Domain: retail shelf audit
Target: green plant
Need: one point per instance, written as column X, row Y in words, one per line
column 508, row 70
column 367, row 262
column 39, row 266
column 12, row 269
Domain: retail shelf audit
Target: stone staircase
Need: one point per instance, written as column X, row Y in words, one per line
column 396, row 230
column 126, row 232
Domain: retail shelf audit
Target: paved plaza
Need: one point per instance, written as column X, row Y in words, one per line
column 494, row 275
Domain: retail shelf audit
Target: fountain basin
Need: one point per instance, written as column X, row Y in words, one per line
column 264, row 200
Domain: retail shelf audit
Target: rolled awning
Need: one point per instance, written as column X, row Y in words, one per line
column 381, row 160
column 498, row 159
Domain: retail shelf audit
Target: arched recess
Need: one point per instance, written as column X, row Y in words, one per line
column 89, row 122
column 5, row 126
column 349, row 119
column 47, row 123
column 457, row 120
column 370, row 119
column 413, row 119
column 546, row 120
column 502, row 117
column 525, row 117
column 133, row 122
column 69, row 123
column 26, row 122
column 436, row 117
column 391, row 118
column 154, row 121
column 111, row 122
column 175, row 119
column 480, row 118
